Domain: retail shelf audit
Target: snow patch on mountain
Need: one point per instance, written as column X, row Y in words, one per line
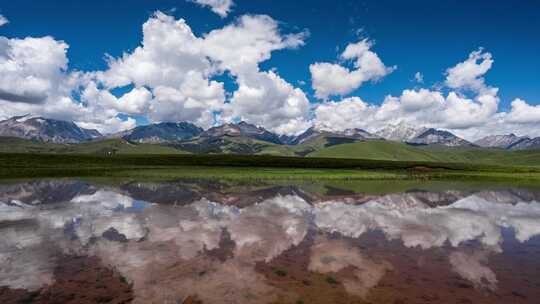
column 400, row 132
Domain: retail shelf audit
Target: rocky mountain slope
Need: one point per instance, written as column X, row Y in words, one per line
column 401, row 132
column 164, row 132
column 314, row 132
column 241, row 129
column 526, row 143
column 421, row 136
column 439, row 137
column 246, row 138
column 46, row 130
column 509, row 142
column 499, row 141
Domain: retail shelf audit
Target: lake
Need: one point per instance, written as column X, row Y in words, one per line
column 193, row 241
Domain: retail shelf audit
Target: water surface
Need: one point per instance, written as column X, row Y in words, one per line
column 188, row 241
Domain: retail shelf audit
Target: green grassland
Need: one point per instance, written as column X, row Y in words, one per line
column 378, row 150
column 233, row 145
column 318, row 147
column 387, row 150
column 242, row 158
column 102, row 147
column 169, row 166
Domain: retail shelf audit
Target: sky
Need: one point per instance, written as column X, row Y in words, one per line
column 471, row 67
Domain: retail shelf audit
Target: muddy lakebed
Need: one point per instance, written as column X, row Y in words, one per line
column 191, row 241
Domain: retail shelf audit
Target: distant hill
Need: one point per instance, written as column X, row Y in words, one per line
column 499, row 141
column 234, row 138
column 241, row 129
column 231, row 145
column 370, row 150
column 526, row 144
column 509, row 142
column 390, row 150
column 401, row 132
column 104, row 147
column 46, row 130
column 421, row 136
column 380, row 150
column 27, row 134
column 439, row 137
column 314, row 139
column 165, row 132
column 313, row 134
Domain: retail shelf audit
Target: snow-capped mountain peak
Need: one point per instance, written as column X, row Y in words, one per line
column 400, row 132
column 499, row 141
column 439, row 137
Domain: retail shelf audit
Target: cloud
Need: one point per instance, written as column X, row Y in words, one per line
column 348, row 113
column 177, row 68
column 330, row 256
column 34, row 78
column 36, row 99
column 250, row 40
column 195, row 100
column 31, row 68
column 333, row 79
column 173, row 67
column 472, row 268
column 264, row 98
column 523, row 113
column 220, row 7
column 419, row 77
column 174, row 75
column 168, row 51
column 159, row 236
column 468, row 116
column 3, row 20
column 420, row 107
column 469, row 74
column 406, row 217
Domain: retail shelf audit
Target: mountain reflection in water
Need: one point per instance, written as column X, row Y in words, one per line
column 212, row 242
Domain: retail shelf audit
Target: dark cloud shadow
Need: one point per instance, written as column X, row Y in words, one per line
column 32, row 99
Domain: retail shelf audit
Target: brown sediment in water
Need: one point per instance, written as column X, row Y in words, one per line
column 289, row 271
column 77, row 280
column 416, row 275
column 427, row 275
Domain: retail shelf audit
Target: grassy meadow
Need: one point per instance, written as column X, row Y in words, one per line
column 170, row 166
column 240, row 158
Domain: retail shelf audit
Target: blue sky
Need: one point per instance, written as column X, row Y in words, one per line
column 415, row 36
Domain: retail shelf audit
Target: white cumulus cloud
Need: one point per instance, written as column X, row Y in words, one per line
column 177, row 67
column 419, row 77
column 333, row 79
column 416, row 107
column 469, row 74
column 34, row 78
column 3, row 20
column 220, row 7
column 264, row 98
column 468, row 116
column 522, row 112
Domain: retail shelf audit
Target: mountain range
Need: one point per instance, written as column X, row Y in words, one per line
column 242, row 129
column 400, row 132
column 160, row 133
column 243, row 137
column 46, row 130
column 509, row 142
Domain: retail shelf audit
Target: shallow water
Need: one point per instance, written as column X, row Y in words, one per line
column 187, row 241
